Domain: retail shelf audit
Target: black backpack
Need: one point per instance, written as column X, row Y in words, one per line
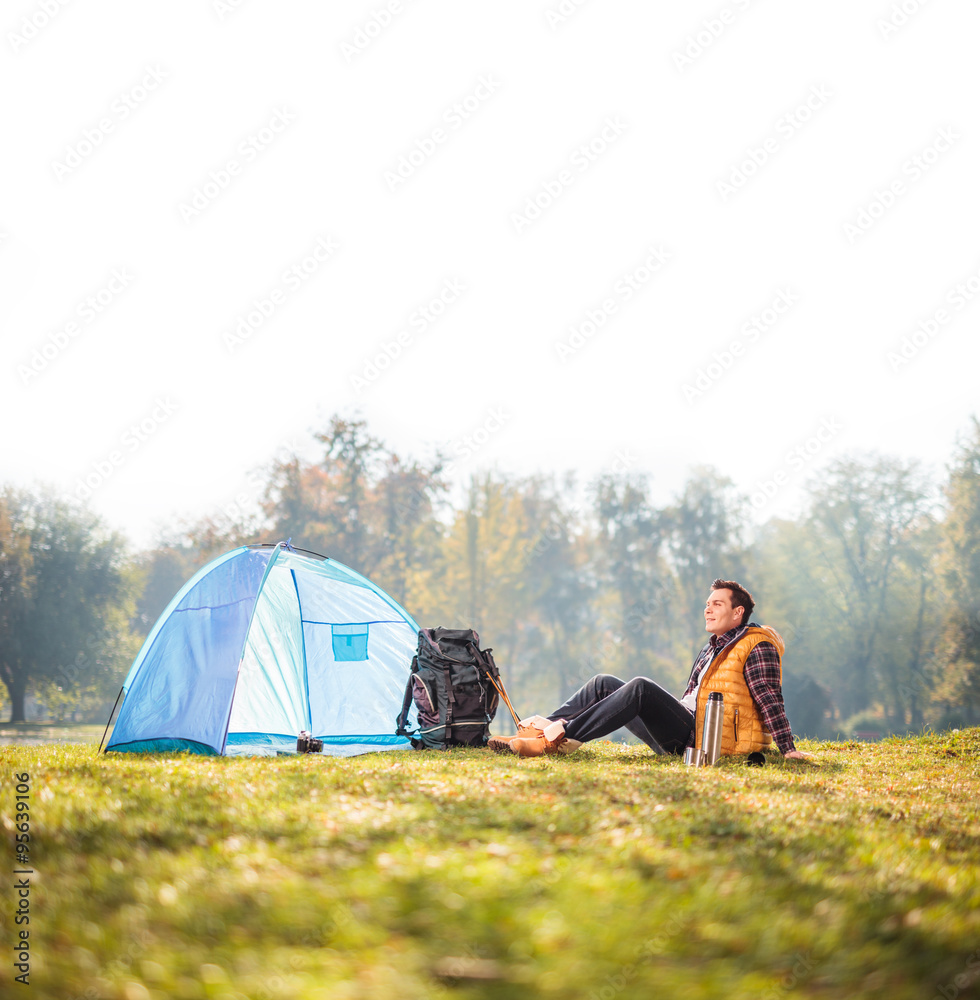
column 455, row 686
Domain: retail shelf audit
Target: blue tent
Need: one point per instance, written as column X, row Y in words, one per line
column 262, row 643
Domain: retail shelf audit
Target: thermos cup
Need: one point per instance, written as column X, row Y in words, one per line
column 694, row 755
column 714, row 715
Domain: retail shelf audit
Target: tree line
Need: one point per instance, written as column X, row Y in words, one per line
column 874, row 585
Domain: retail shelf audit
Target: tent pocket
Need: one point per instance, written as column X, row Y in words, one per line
column 350, row 642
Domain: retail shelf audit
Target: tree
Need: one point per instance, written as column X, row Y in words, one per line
column 799, row 604
column 18, row 586
column 322, row 506
column 362, row 505
column 558, row 585
column 848, row 576
column 66, row 600
column 958, row 656
column 405, row 533
column 636, row 584
column 704, row 532
column 907, row 667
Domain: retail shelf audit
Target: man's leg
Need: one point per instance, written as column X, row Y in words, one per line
column 605, row 703
column 589, row 694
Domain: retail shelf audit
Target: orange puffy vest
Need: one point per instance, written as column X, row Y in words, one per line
column 743, row 730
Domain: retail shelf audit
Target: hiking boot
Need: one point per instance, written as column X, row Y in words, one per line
column 537, row 722
column 549, row 742
column 501, row 744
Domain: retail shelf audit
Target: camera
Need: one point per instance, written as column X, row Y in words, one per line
column 305, row 743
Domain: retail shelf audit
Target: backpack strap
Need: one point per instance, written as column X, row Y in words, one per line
column 406, row 703
column 450, row 704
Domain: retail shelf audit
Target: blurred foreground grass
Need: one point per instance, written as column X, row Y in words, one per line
column 609, row 873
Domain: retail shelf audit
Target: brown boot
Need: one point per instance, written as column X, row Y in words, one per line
column 549, row 742
column 501, row 744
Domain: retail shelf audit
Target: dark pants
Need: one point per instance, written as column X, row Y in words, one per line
column 605, row 704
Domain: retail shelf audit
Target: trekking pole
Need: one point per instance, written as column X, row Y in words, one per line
column 503, row 694
column 500, row 688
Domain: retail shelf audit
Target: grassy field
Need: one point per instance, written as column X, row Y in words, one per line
column 611, row 873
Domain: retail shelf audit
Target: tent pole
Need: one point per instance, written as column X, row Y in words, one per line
column 248, row 628
column 111, row 714
column 306, row 666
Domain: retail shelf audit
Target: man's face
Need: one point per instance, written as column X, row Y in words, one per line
column 719, row 615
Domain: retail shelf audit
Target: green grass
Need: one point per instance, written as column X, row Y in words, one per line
column 611, row 873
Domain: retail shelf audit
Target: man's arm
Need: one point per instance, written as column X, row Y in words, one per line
column 762, row 679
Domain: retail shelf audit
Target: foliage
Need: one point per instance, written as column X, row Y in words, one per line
column 611, row 872
column 873, row 586
column 66, row 601
column 853, row 578
column 960, row 568
column 360, row 504
column 705, row 542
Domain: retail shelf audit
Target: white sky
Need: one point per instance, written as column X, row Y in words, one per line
column 538, row 90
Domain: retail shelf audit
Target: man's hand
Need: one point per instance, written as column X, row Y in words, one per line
column 796, row 755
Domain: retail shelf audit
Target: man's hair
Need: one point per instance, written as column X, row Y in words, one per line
column 741, row 598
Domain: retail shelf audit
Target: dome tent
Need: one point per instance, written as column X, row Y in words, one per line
column 262, row 643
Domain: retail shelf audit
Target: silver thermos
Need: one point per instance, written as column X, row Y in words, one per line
column 714, row 716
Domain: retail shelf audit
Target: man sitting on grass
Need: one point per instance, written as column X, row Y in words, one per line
column 740, row 660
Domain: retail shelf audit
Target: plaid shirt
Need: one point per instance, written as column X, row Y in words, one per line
column 761, row 678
